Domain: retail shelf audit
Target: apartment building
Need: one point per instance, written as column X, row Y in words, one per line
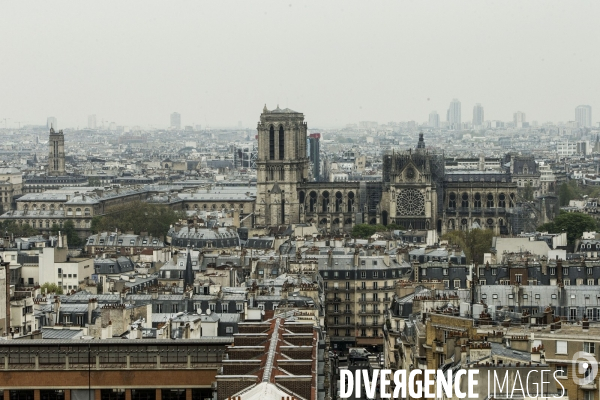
column 358, row 285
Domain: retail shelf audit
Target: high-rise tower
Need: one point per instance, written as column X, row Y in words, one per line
column 56, row 157
column 477, row 115
column 454, row 115
column 282, row 164
column 583, row 116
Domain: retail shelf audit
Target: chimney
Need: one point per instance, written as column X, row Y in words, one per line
column 56, row 309
column 92, row 304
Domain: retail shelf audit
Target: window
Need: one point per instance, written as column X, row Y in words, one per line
column 494, row 296
column 446, row 284
column 561, row 347
column 325, row 285
column 519, row 278
column 347, row 285
column 374, row 285
column 590, row 271
column 561, row 371
column 511, row 296
column 494, row 271
column 589, row 347
column 552, row 270
column 347, row 274
column 456, row 283
column 537, row 296
column 445, row 271
column 375, row 274
column 590, row 282
column 565, row 271
column 174, row 308
column 482, row 282
column 211, row 306
column 525, row 296
column 363, row 285
column 567, row 282
column 159, row 308
column 363, row 274
column 325, row 274
column 553, row 296
column 225, row 307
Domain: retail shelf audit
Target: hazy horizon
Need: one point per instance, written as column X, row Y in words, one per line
column 218, row 63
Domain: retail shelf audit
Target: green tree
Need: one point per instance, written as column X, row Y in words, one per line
column 73, row 238
column 567, row 192
column 50, row 287
column 364, row 231
column 528, row 192
column 18, row 230
column 55, row 229
column 574, row 224
column 138, row 217
column 94, row 182
column 474, row 242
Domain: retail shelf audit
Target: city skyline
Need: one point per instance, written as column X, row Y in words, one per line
column 351, row 65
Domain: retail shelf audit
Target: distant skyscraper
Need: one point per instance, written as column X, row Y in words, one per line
column 454, row 115
column 434, row 119
column 176, row 120
column 51, row 122
column 92, row 121
column 519, row 119
column 583, row 116
column 478, row 115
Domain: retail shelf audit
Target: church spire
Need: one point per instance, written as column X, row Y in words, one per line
column 421, row 144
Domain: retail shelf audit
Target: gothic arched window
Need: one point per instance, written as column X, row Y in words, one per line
column 281, row 143
column 271, row 143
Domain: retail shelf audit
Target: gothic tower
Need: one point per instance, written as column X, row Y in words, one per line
column 56, row 157
column 282, row 164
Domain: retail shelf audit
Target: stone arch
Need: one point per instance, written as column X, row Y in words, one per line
column 502, row 200
column 464, row 198
column 350, row 201
column 338, row 202
column 490, row 200
column 312, row 202
column 325, row 201
column 477, row 200
column 271, row 142
column 281, row 143
column 452, row 200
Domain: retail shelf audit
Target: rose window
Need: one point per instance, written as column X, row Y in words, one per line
column 410, row 202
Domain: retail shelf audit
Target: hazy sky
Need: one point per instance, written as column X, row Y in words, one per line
column 219, row 62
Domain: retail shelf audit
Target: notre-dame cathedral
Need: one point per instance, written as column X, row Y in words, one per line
column 416, row 191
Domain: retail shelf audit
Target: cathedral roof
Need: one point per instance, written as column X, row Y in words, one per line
column 281, row 110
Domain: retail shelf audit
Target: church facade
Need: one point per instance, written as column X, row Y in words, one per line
column 416, row 192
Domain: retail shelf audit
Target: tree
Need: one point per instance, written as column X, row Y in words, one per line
column 567, row 192
column 364, row 231
column 94, row 182
column 474, row 242
column 50, row 287
column 73, row 238
column 528, row 192
column 574, row 224
column 18, row 230
column 138, row 217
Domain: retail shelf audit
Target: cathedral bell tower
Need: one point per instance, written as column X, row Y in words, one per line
column 282, row 164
